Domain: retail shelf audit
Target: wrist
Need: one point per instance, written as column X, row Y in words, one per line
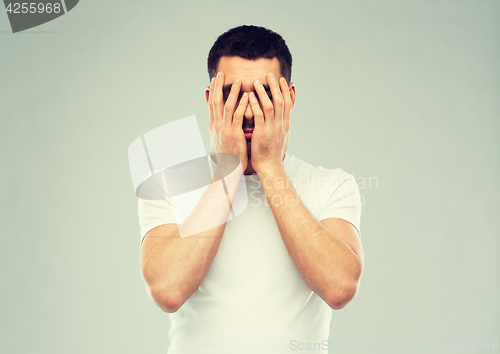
column 269, row 169
column 226, row 164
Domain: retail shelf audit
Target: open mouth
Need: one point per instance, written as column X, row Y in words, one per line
column 248, row 133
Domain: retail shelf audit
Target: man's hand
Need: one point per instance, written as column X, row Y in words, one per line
column 272, row 127
column 226, row 132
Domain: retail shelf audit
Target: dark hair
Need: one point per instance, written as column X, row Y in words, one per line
column 250, row 42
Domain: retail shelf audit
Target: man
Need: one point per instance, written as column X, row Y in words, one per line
column 266, row 281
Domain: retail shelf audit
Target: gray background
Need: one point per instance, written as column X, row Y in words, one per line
column 403, row 91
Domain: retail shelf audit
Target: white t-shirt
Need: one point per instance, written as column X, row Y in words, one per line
column 253, row 299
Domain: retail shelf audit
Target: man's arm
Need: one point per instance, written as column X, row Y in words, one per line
column 172, row 266
column 328, row 254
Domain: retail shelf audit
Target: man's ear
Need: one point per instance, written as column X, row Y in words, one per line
column 207, row 93
column 291, row 87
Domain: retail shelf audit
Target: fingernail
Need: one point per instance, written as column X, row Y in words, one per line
column 218, row 75
column 283, row 80
column 271, row 75
column 258, row 82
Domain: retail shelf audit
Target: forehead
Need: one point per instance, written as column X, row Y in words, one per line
column 248, row 70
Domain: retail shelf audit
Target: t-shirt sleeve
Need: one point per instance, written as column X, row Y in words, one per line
column 153, row 213
column 341, row 199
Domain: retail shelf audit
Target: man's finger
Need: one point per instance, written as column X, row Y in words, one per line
column 218, row 105
column 267, row 105
column 231, row 102
column 240, row 111
column 287, row 104
column 210, row 104
column 278, row 101
column 258, row 115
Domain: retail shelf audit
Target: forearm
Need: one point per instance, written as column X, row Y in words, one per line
column 326, row 263
column 176, row 266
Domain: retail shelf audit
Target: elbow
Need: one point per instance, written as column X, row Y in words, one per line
column 339, row 297
column 170, row 305
column 167, row 301
column 165, row 295
column 339, row 301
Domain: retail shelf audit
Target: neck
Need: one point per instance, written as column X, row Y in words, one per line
column 249, row 170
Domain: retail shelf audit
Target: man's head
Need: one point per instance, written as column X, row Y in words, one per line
column 250, row 53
